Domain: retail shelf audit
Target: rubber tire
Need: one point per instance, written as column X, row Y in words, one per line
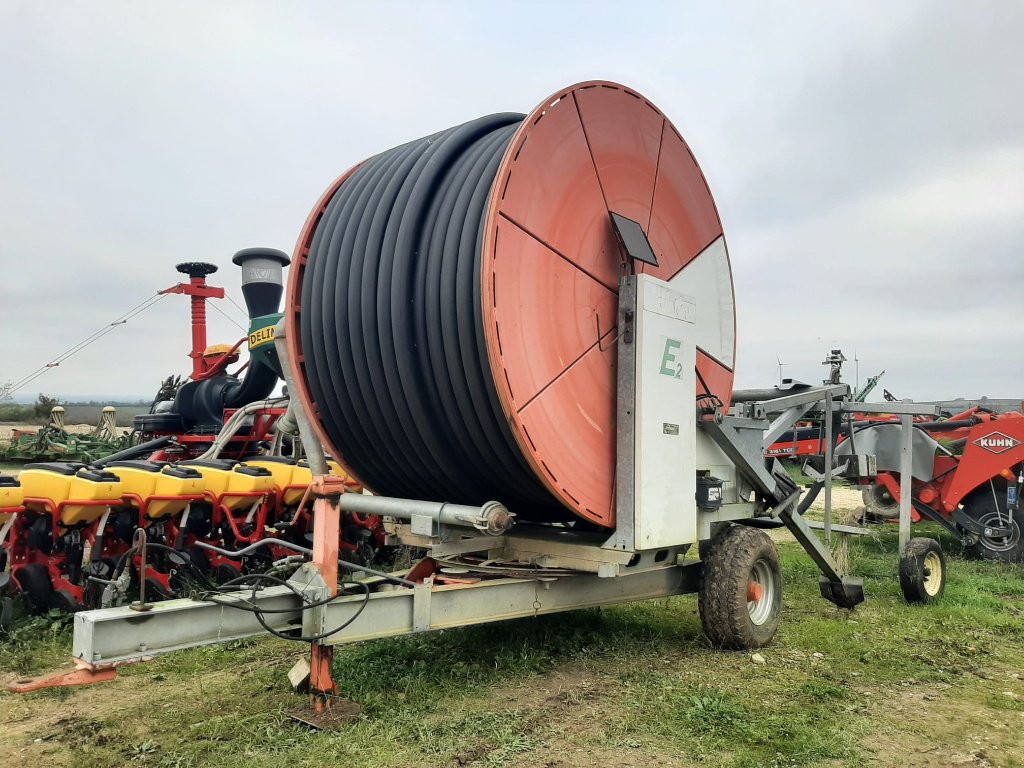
column 155, row 591
column 722, row 596
column 199, row 559
column 6, row 614
column 35, row 584
column 196, row 571
column 225, row 572
column 977, row 507
column 912, row 570
column 880, row 503
column 63, row 601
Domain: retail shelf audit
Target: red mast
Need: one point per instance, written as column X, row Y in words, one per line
column 200, row 292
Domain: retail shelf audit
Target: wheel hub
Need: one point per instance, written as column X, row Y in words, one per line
column 1000, row 543
column 932, row 573
column 760, row 592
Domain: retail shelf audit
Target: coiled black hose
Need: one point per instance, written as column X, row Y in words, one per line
column 392, row 328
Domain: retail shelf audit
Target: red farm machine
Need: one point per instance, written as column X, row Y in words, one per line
column 216, row 487
column 969, row 482
column 968, row 467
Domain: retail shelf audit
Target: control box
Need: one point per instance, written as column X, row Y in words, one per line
column 656, row 420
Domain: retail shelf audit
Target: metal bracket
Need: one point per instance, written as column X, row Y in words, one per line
column 811, row 469
column 600, row 342
column 421, row 605
column 853, row 530
column 967, row 523
column 745, row 454
column 783, row 422
column 762, row 408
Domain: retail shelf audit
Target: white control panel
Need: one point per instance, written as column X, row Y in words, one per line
column 664, row 435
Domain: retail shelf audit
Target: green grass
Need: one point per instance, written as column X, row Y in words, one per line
column 630, row 685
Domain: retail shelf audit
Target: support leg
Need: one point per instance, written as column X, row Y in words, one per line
column 326, row 535
column 844, row 591
column 829, row 437
column 906, row 476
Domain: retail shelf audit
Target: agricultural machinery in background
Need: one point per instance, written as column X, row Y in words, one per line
column 53, row 441
column 213, row 485
column 968, row 468
column 970, row 483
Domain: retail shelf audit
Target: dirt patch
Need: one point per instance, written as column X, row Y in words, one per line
column 569, row 712
column 340, row 713
column 52, row 724
column 946, row 727
column 842, row 498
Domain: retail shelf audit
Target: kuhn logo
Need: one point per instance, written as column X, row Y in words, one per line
column 997, row 442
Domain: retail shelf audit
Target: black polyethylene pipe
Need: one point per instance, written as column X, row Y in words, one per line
column 392, row 328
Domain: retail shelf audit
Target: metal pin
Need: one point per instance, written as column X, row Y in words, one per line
column 139, row 540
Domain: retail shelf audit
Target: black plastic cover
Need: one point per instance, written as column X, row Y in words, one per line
column 182, row 472
column 59, row 467
column 245, row 469
column 142, row 466
column 225, row 464
column 98, row 476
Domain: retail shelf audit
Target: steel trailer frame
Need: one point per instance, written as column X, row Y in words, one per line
column 576, row 569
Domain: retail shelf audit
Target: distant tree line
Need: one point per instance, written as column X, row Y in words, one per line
column 84, row 412
column 40, row 409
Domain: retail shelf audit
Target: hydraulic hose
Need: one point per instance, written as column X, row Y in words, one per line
column 259, row 382
column 392, row 330
column 142, row 449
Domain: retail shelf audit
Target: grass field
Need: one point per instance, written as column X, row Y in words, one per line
column 637, row 685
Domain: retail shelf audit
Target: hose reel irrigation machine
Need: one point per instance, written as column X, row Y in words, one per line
column 520, row 334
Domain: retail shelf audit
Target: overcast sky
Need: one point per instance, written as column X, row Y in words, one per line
column 867, row 160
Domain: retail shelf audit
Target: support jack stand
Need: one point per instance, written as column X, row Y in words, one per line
column 326, row 709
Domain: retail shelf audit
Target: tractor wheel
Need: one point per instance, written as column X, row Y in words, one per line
column 6, row 614
column 225, row 572
column 740, row 594
column 982, row 507
column 880, row 503
column 922, row 571
column 34, row 581
column 193, row 572
column 64, row 601
column 155, row 591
